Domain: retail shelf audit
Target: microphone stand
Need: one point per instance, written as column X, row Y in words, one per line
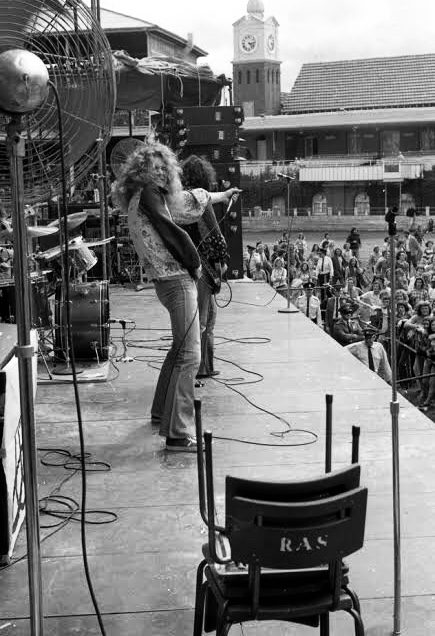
column 288, row 310
column 394, row 409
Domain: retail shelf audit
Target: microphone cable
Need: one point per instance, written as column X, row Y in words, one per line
column 73, row 366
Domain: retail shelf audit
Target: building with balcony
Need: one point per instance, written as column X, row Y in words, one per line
column 359, row 134
column 141, row 39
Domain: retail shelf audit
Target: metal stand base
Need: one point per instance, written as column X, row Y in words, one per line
column 66, row 370
column 287, row 310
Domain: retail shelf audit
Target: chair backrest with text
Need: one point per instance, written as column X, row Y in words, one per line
column 285, row 531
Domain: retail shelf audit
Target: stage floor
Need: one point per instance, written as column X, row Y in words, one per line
column 143, row 565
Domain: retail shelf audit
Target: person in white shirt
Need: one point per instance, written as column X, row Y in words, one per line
column 372, row 354
column 324, row 272
column 309, row 304
column 324, row 267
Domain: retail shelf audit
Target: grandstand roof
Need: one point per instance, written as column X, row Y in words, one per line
column 381, row 82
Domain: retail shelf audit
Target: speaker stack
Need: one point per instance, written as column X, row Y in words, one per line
column 213, row 132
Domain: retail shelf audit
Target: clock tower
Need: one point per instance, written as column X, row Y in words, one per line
column 256, row 67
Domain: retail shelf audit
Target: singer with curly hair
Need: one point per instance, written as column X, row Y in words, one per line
column 149, row 190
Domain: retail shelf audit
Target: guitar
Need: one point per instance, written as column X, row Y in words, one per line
column 214, row 275
column 213, row 252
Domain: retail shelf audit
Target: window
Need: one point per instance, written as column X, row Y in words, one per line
column 277, row 77
column 248, row 77
column 257, row 76
column 362, row 204
column 311, row 147
column 273, row 76
column 319, row 204
column 240, row 77
column 268, row 75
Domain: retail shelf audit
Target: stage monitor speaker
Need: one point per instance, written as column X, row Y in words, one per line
column 226, row 135
column 209, row 115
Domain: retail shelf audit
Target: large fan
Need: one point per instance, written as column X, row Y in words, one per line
column 65, row 36
column 54, row 59
column 121, row 151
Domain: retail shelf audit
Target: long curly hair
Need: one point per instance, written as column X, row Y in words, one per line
column 197, row 172
column 136, row 173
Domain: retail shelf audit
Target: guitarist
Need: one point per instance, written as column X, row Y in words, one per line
column 206, row 235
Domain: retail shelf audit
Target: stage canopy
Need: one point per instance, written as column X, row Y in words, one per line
column 153, row 82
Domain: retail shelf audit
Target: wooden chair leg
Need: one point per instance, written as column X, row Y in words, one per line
column 353, row 595
column 199, row 599
column 324, row 624
column 359, row 626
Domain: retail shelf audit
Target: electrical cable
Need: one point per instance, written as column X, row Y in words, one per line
column 71, row 505
column 230, row 384
column 72, row 360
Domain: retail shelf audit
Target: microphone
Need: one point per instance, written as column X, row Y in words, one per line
column 233, row 198
column 121, row 321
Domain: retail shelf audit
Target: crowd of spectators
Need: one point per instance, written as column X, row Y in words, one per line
column 351, row 300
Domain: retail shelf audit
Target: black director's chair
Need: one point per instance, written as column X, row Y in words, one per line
column 290, row 537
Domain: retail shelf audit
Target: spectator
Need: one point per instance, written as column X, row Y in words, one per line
column 431, row 289
column 354, row 270
column 345, row 329
column 339, row 265
column 301, row 246
column 382, row 264
column 419, row 292
column 372, row 354
column 402, row 263
column 373, row 259
column 324, row 268
column 429, row 367
column 278, row 277
column 347, row 252
column 259, row 274
column 413, row 250
column 333, row 304
column 309, row 304
column 428, row 250
column 354, row 241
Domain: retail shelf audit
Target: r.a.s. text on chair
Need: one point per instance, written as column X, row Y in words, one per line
column 275, row 529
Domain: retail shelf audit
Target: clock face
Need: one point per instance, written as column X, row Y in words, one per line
column 271, row 43
column 248, row 43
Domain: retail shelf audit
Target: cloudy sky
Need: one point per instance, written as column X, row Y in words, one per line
column 311, row 30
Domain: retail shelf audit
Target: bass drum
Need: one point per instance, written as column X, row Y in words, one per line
column 89, row 321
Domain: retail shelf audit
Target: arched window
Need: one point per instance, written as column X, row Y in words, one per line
column 248, row 77
column 319, row 204
column 257, row 75
column 362, row 204
column 240, row 77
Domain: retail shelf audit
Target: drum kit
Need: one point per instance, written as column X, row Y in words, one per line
column 89, row 301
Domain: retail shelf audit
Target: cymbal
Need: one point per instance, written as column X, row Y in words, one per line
column 97, row 243
column 41, row 230
column 73, row 244
column 73, row 220
column 32, row 230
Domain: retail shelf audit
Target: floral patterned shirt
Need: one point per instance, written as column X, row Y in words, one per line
column 156, row 259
